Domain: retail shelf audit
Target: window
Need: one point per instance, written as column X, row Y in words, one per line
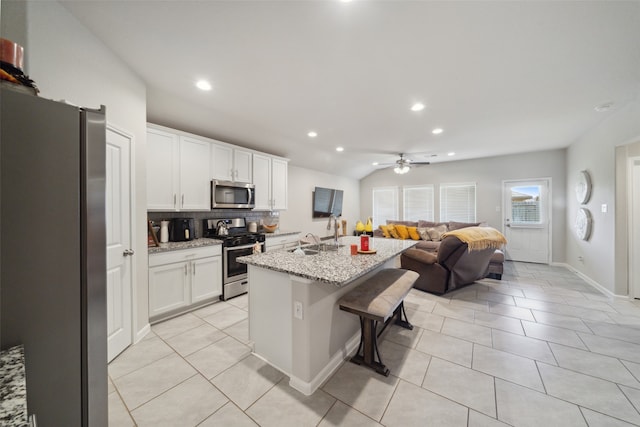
column 385, row 204
column 525, row 204
column 458, row 202
column 418, row 203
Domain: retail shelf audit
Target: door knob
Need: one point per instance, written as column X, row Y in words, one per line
column 128, row 252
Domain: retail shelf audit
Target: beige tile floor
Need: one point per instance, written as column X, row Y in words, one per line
column 539, row 348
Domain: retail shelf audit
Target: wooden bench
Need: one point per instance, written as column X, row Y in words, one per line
column 380, row 299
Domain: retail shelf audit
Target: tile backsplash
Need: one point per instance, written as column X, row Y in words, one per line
column 257, row 216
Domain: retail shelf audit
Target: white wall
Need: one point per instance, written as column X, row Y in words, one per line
column 595, row 152
column 67, row 62
column 488, row 174
column 298, row 216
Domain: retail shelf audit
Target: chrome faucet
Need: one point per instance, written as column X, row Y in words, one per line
column 335, row 228
column 316, row 238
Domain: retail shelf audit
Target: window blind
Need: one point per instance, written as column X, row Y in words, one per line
column 458, row 202
column 418, row 203
column 385, row 205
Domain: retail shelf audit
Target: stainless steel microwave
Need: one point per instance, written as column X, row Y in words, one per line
column 234, row 195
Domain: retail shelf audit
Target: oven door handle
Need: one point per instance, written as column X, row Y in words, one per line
column 232, row 248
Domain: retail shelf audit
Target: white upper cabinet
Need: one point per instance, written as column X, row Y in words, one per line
column 163, row 175
column 177, row 172
column 270, row 179
column 230, row 164
column 279, row 180
column 195, row 193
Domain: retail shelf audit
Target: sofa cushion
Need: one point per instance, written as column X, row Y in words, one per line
column 429, row 224
column 422, row 256
column 436, row 232
column 423, row 233
column 453, row 225
column 413, row 233
column 428, row 245
column 402, row 231
column 407, row 223
column 385, row 230
column 393, row 231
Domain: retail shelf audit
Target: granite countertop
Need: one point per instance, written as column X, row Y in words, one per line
column 334, row 267
column 13, row 388
column 176, row 246
column 279, row 233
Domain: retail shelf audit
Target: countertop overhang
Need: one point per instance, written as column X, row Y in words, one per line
column 337, row 268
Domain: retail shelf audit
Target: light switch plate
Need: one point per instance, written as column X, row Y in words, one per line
column 604, row 208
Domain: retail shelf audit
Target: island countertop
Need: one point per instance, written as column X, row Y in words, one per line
column 334, row 267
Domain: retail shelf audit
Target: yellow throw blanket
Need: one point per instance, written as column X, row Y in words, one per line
column 478, row 238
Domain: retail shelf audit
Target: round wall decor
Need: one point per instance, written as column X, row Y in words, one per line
column 583, row 223
column 583, row 187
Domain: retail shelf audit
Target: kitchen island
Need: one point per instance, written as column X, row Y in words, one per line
column 294, row 322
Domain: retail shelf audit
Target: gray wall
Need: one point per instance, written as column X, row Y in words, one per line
column 488, row 174
column 605, row 253
column 299, row 215
column 68, row 62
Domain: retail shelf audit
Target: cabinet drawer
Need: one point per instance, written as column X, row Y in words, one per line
column 184, row 255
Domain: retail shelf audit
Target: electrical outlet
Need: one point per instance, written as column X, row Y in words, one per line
column 297, row 310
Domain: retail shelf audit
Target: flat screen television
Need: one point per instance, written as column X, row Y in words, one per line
column 327, row 201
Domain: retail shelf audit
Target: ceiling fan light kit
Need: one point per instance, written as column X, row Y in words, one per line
column 401, row 169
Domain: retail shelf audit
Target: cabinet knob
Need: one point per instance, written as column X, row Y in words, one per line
column 128, row 252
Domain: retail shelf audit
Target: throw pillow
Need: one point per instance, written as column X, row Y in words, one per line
column 402, row 231
column 424, row 234
column 393, row 231
column 453, row 225
column 385, row 230
column 413, row 233
column 436, row 232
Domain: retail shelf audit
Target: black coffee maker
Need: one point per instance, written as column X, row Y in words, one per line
column 182, row 229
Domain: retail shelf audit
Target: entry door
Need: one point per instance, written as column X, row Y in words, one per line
column 527, row 218
column 119, row 253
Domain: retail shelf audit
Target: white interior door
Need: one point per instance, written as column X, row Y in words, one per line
column 527, row 219
column 119, row 253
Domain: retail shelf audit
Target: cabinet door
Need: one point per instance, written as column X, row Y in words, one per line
column 279, row 184
column 168, row 287
column 221, row 162
column 242, row 165
column 262, row 181
column 163, row 178
column 206, row 278
column 195, row 193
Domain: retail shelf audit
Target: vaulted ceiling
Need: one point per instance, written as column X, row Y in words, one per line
column 497, row 77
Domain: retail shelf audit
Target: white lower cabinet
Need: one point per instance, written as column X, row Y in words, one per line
column 182, row 279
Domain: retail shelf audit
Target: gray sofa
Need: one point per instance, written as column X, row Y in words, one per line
column 451, row 267
column 496, row 262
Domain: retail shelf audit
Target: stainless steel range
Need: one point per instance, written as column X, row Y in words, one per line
column 237, row 241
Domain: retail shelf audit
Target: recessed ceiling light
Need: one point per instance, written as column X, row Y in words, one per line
column 437, row 131
column 375, row 164
column 312, row 134
column 418, row 106
column 203, row 85
column 451, row 153
column 604, row 107
column 340, row 149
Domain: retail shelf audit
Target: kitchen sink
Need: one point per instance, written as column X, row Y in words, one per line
column 306, row 251
column 323, row 247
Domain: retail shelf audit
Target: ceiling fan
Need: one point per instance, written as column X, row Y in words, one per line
column 402, row 165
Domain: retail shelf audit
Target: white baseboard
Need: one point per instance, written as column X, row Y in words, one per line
column 308, row 388
column 142, row 333
column 590, row 281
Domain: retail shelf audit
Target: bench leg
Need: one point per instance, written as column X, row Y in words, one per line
column 398, row 314
column 369, row 347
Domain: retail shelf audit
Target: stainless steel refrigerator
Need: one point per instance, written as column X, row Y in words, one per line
column 53, row 255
